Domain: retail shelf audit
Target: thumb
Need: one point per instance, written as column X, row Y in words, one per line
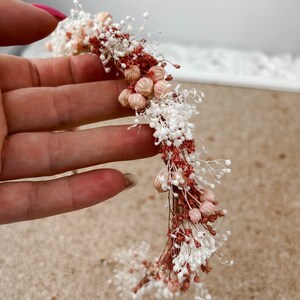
column 22, row 23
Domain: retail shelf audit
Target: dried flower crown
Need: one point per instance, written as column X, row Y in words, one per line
column 192, row 238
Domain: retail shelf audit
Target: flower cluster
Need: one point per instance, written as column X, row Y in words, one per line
column 186, row 177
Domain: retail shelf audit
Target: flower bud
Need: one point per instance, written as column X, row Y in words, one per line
column 207, row 195
column 81, row 33
column 144, row 86
column 173, row 286
column 161, row 88
column 160, row 181
column 195, row 215
column 137, row 101
column 102, row 17
column 207, row 208
column 133, row 74
column 196, row 279
column 123, row 98
column 48, row 46
column 77, row 45
column 156, row 73
column 89, row 23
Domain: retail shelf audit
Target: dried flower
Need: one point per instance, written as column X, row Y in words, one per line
column 207, row 195
column 160, row 181
column 195, row 215
column 133, row 74
column 102, row 17
column 123, row 97
column 156, row 73
column 207, row 208
column 48, row 46
column 77, row 45
column 161, row 88
column 137, row 101
column 173, row 286
column 144, row 86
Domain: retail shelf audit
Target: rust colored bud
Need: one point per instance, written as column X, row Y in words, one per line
column 169, row 77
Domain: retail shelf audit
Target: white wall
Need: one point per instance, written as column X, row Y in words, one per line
column 272, row 26
column 249, row 43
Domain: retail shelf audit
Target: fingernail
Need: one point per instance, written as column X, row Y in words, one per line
column 52, row 11
column 130, row 180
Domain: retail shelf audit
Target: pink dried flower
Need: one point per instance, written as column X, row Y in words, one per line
column 48, row 46
column 173, row 286
column 123, row 97
column 195, row 215
column 160, row 181
column 137, row 101
column 207, row 195
column 207, row 208
column 132, row 74
column 144, row 86
column 161, row 88
column 157, row 73
column 102, row 17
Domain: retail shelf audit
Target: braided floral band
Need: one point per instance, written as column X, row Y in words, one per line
column 186, row 178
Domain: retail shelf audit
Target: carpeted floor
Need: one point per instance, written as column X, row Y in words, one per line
column 68, row 256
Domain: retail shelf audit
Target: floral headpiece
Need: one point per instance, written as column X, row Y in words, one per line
column 186, row 178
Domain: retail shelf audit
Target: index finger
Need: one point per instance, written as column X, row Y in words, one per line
column 27, row 200
column 17, row 72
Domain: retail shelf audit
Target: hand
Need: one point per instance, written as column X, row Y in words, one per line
column 40, row 96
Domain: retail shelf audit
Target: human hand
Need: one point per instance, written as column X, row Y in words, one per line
column 40, row 96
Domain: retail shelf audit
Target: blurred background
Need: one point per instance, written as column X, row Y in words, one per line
column 240, row 43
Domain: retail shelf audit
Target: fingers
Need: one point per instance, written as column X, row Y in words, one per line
column 17, row 72
column 21, row 201
column 42, row 154
column 22, row 23
column 48, row 109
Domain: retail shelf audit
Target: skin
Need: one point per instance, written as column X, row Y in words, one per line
column 40, row 96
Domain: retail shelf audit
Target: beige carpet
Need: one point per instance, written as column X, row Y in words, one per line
column 64, row 257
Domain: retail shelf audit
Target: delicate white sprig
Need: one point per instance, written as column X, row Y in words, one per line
column 171, row 119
